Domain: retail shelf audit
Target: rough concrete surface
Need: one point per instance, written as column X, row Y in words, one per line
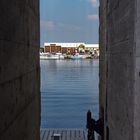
column 137, row 73
column 19, row 70
column 120, row 79
column 121, row 72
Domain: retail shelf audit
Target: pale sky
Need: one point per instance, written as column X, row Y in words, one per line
column 69, row 21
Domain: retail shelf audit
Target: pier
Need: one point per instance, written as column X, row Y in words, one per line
column 64, row 134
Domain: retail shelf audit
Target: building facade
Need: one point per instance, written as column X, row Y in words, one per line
column 69, row 47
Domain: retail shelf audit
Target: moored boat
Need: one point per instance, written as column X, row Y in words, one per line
column 77, row 56
column 50, row 56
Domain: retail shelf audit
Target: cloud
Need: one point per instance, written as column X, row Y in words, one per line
column 68, row 27
column 47, row 25
column 93, row 17
column 51, row 26
column 94, row 3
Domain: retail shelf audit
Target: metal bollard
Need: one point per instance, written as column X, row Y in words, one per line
column 90, row 126
column 93, row 125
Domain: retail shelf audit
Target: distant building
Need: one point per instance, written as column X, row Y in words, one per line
column 69, row 47
column 91, row 46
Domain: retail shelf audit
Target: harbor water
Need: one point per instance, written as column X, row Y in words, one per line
column 68, row 90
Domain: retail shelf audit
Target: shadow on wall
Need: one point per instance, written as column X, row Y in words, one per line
column 19, row 70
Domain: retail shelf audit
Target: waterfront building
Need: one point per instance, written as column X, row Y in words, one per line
column 70, row 47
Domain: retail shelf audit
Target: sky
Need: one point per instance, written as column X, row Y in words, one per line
column 69, row 21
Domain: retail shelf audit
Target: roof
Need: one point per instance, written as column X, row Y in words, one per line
column 92, row 45
column 72, row 45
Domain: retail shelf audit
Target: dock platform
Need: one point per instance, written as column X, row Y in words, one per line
column 64, row 134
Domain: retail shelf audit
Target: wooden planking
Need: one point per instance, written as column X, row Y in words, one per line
column 85, row 135
column 66, row 134
column 45, row 135
column 42, row 134
column 50, row 134
column 73, row 135
column 81, row 136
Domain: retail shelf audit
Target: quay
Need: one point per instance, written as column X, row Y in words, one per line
column 64, row 134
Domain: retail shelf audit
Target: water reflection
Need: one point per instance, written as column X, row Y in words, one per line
column 68, row 90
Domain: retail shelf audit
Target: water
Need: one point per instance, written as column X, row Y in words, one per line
column 68, row 90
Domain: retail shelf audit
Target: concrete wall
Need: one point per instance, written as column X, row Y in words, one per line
column 102, row 64
column 120, row 79
column 137, row 72
column 122, row 69
column 19, row 70
column 102, row 61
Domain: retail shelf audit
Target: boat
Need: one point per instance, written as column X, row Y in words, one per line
column 77, row 56
column 51, row 56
